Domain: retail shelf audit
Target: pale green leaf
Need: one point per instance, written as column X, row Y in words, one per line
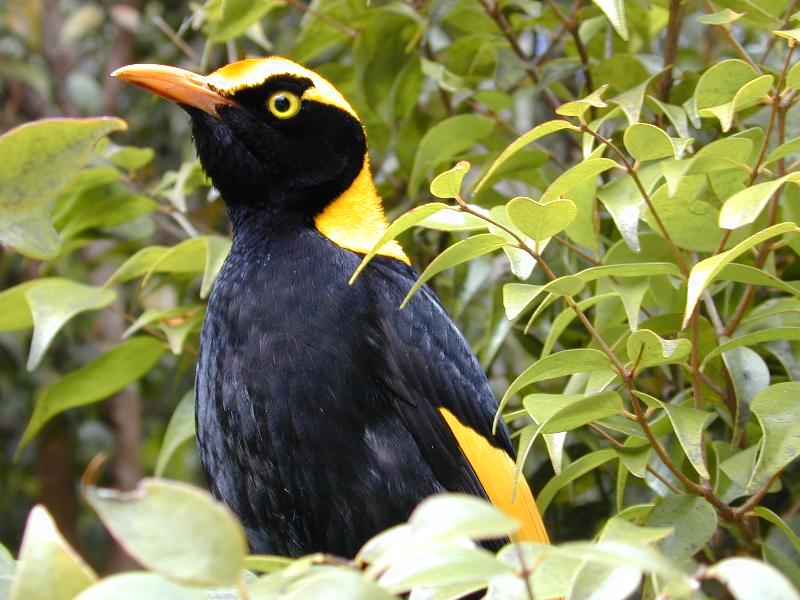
column 778, row 414
column 99, row 379
column 448, row 184
column 517, row 297
column 48, row 567
column 565, row 412
column 559, row 364
column 444, row 141
column 179, row 429
column 721, row 17
column 53, row 303
column 575, row 176
column 689, row 423
column 744, row 207
column 527, row 138
column 461, row 251
column 38, row 159
column 647, row 142
column 647, row 349
column 692, row 519
column 749, row 375
column 577, row 108
column 753, row 338
column 447, row 515
column 615, row 12
column 750, row 579
column 401, row 224
column 704, row 272
column 138, row 586
column 768, row 515
column 540, row 221
column 174, row 529
column 585, row 464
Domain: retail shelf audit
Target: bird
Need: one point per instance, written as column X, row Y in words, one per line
column 325, row 413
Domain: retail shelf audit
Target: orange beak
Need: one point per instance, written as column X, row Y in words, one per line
column 178, row 85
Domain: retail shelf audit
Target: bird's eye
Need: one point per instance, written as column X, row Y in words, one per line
column 283, row 105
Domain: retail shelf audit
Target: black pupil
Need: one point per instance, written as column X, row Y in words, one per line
column 282, row 103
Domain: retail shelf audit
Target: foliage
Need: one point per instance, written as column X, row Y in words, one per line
column 622, row 256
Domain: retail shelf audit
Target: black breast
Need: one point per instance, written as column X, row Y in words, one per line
column 296, row 428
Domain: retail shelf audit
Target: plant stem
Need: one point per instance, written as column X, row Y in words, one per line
column 679, row 257
column 670, row 49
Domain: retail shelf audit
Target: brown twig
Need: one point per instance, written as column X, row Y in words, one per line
column 670, row 49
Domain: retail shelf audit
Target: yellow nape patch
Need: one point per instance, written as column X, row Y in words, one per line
column 252, row 72
column 356, row 221
column 495, row 470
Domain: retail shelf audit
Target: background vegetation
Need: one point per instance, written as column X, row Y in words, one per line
column 623, row 247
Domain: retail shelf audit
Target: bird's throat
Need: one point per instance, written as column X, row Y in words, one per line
column 355, row 220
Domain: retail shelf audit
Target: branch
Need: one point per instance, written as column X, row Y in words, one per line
column 670, row 49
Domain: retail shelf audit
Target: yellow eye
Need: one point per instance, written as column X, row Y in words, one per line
column 283, row 105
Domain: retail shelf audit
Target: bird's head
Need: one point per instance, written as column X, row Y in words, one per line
column 267, row 131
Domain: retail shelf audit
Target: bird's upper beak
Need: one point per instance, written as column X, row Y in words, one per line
column 178, row 85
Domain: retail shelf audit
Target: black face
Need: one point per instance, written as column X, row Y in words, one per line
column 299, row 163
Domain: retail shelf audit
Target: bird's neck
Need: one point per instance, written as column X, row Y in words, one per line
column 354, row 220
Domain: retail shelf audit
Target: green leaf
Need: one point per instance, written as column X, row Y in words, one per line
column 138, row 264
column 179, row 429
column 778, row 414
column 647, row 142
column 749, row 579
column 460, row 252
column 689, row 423
column 647, row 349
column 632, row 294
column 747, row 95
column 615, row 12
column 204, row 254
column 766, row 514
column 453, row 219
column 448, row 184
column 438, row 569
column 540, row 221
column 517, row 297
column 446, row 515
column 565, row 412
column 444, row 141
column 744, row 207
column 586, row 463
column 704, row 272
column 38, row 159
column 747, row 274
column 14, row 311
column 793, row 35
column 722, row 17
column 693, row 520
column 48, row 567
column 619, row 529
column 54, row 302
column 577, row 108
column 566, row 362
column 231, row 18
column 401, row 224
column 792, row 81
column 753, row 338
column 174, row 529
column 527, row 138
column 629, row 270
column 104, row 376
column 749, row 375
column 575, row 176
column 137, row 586
column 785, row 149
column 720, row 83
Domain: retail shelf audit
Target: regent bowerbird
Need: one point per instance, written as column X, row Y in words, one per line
column 325, row 413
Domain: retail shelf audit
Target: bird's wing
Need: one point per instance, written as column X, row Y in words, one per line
column 445, row 400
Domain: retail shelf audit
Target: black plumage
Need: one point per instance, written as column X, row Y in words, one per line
column 320, row 404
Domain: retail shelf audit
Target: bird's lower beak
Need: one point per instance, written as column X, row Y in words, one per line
column 178, row 85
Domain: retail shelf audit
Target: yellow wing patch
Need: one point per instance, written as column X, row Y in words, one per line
column 495, row 470
column 252, row 72
column 356, row 221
